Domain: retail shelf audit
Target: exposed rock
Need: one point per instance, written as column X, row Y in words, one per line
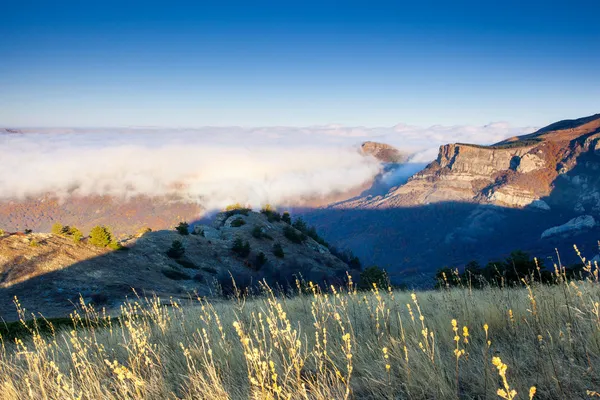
column 384, row 152
column 530, row 162
column 541, row 204
column 574, row 226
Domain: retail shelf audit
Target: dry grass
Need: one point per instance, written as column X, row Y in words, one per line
column 541, row 341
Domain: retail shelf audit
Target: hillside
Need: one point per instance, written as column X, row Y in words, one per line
column 48, row 272
column 536, row 193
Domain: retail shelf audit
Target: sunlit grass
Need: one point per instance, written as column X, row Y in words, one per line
column 535, row 341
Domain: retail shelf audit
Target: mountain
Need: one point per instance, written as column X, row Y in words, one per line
column 536, row 193
column 517, row 172
column 48, row 272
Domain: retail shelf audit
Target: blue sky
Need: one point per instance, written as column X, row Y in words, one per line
column 293, row 63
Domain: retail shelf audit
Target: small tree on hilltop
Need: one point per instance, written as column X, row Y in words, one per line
column 183, row 228
column 57, row 228
column 285, row 217
column 75, row 234
column 100, row 236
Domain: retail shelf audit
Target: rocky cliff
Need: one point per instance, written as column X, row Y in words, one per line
column 518, row 172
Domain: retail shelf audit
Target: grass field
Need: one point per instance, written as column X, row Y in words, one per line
column 533, row 341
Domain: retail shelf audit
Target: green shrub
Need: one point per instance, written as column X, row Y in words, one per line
column 240, row 247
column 285, row 217
column 278, row 250
column 293, row 235
column 176, row 275
column 57, row 229
column 257, row 232
column 100, row 236
column 373, row 275
column 34, row 243
column 270, row 213
column 236, row 223
column 27, row 231
column 260, row 260
column 235, row 209
column 176, row 250
column 114, row 245
column 2, row 232
column 183, row 228
column 75, row 234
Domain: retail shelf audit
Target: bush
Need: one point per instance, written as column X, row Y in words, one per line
column 346, row 256
column 75, row 234
column 236, row 223
column 235, row 209
column 57, row 229
column 293, row 235
column 278, row 250
column 373, row 275
column 309, row 231
column 2, row 232
column 270, row 213
column 34, row 243
column 257, row 232
column 100, row 236
column 260, row 260
column 285, row 217
column 519, row 265
column 114, row 245
column 27, row 231
column 183, row 228
column 176, row 250
column 176, row 275
column 240, row 247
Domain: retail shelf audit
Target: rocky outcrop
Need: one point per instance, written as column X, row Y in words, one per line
column 383, row 152
column 576, row 225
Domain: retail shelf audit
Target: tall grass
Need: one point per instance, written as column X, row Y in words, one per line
column 534, row 341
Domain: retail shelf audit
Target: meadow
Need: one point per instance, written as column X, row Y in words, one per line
column 532, row 341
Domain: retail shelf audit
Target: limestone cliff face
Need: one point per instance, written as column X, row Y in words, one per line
column 518, row 172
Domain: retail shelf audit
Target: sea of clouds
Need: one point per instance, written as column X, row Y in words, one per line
column 216, row 166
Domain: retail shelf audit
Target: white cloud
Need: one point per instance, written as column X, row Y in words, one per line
column 215, row 166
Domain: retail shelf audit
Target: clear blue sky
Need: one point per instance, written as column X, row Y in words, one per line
column 109, row 63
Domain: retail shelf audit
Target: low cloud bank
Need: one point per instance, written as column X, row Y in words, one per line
column 216, row 166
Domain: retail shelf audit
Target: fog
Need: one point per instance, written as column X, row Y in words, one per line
column 217, row 166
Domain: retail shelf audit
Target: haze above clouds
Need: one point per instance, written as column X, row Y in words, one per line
column 216, row 166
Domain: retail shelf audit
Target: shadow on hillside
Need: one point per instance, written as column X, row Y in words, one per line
column 410, row 243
